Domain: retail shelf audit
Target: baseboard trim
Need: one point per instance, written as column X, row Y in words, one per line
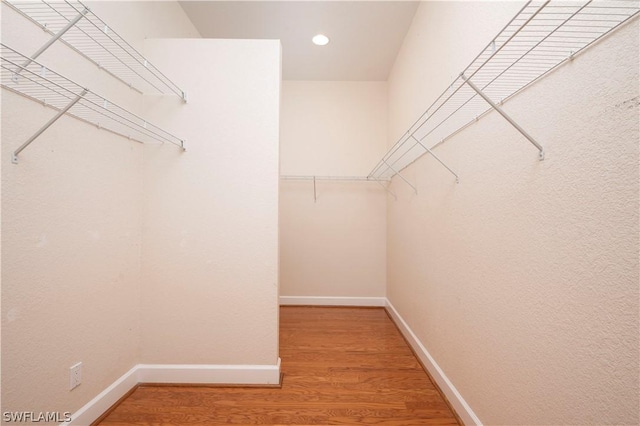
column 450, row 392
column 95, row 408
column 210, row 374
column 267, row 375
column 193, row 374
column 332, row 301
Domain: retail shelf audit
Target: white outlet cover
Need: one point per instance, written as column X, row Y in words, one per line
column 75, row 375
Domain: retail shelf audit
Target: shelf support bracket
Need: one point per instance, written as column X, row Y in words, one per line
column 14, row 158
column 504, row 114
column 315, row 195
column 401, row 177
column 436, row 157
column 386, row 188
column 53, row 39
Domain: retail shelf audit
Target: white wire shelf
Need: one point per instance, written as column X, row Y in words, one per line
column 42, row 85
column 79, row 28
column 542, row 36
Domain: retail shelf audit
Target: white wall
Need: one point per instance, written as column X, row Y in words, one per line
column 335, row 245
column 210, row 236
column 137, row 21
column 332, row 127
column 71, row 259
column 71, row 230
column 522, row 280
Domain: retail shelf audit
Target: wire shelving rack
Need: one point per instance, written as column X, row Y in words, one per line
column 45, row 86
column 542, row 36
column 78, row 27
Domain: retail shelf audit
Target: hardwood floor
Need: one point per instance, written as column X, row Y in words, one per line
column 341, row 366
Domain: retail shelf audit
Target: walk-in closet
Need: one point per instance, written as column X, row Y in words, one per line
column 320, row 212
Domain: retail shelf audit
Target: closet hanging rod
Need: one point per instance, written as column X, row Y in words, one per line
column 333, row 178
column 78, row 27
column 314, row 179
column 542, row 36
column 42, row 85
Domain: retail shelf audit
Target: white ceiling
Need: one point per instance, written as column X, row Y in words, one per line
column 365, row 35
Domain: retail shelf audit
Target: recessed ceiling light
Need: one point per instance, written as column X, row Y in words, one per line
column 320, row 39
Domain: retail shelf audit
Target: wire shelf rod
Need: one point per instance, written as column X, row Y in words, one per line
column 59, row 34
column 316, row 179
column 45, row 86
column 93, row 105
column 87, row 45
column 14, row 157
column 332, row 178
column 124, row 135
column 540, row 38
column 415, row 190
column 487, row 47
column 509, row 119
column 399, row 143
column 94, row 39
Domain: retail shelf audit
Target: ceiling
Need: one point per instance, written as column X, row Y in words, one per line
column 365, row 36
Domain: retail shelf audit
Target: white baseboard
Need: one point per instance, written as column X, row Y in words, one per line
column 332, row 301
column 92, row 410
column 178, row 374
column 455, row 399
column 262, row 374
column 210, row 374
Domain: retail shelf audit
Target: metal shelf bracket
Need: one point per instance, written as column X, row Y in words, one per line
column 505, row 115
column 542, row 36
column 14, row 157
column 51, row 89
column 74, row 24
column 401, row 177
column 436, row 157
column 53, row 39
column 395, row 197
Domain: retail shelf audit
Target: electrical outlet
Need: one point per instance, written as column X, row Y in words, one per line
column 75, row 375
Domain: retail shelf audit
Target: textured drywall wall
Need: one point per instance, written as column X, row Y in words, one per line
column 332, row 127
column 141, row 20
column 522, row 280
column 71, row 259
column 334, row 245
column 71, row 230
column 210, row 237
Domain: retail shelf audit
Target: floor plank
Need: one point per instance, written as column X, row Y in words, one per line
column 342, row 366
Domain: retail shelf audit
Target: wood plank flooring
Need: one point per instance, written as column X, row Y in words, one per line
column 342, row 366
